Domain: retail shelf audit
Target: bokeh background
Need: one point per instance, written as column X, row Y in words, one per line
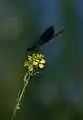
column 57, row 93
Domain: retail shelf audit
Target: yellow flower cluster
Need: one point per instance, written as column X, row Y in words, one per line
column 34, row 61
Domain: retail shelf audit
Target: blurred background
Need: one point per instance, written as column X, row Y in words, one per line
column 57, row 93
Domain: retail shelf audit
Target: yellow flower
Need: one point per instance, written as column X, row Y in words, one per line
column 30, row 68
column 39, row 56
column 26, row 63
column 35, row 61
column 41, row 65
column 29, row 57
column 42, row 61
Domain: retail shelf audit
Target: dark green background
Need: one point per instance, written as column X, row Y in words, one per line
column 57, row 93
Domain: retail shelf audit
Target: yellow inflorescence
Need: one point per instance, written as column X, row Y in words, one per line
column 34, row 61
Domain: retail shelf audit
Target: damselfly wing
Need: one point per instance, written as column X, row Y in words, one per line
column 44, row 38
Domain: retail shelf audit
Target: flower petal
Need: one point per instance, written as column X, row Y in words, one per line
column 26, row 63
column 35, row 63
column 42, row 61
column 41, row 65
column 30, row 68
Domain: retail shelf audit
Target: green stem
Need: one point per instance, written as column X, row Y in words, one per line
column 20, row 97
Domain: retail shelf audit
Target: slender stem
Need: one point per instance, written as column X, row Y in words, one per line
column 20, row 97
